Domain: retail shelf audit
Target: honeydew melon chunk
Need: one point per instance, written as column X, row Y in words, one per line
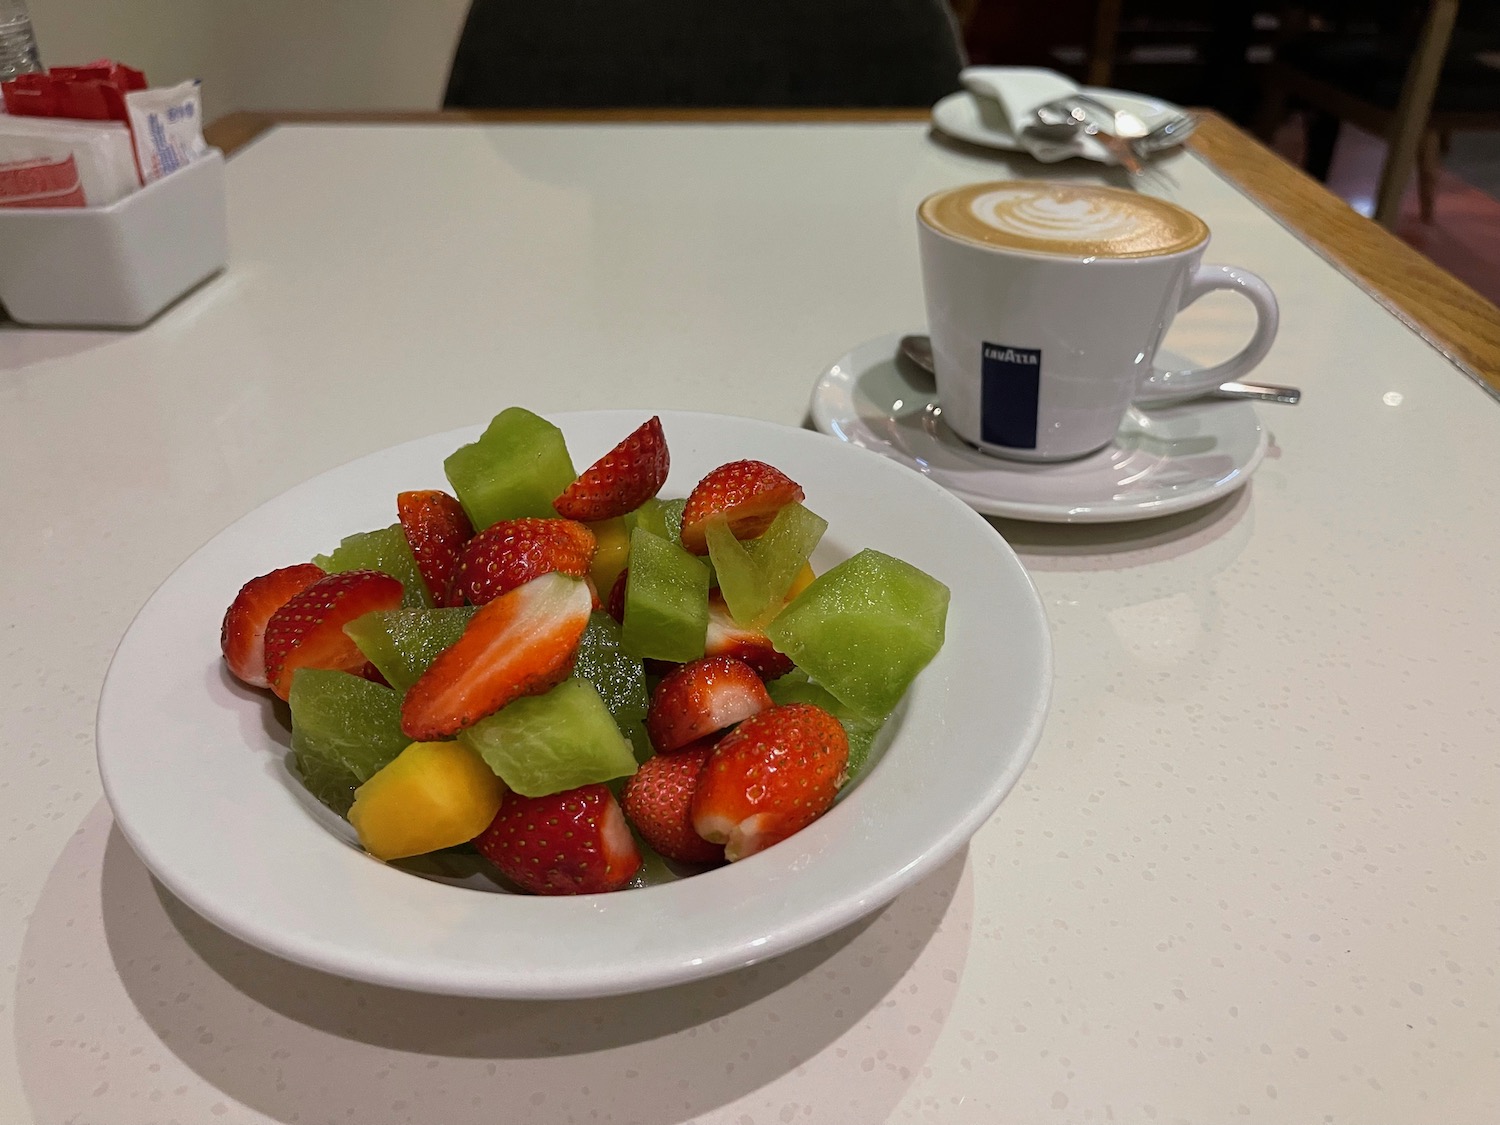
column 672, row 514
column 785, row 547
column 755, row 575
column 661, row 517
column 618, row 677
column 543, row 744
column 387, row 551
column 651, row 515
column 666, row 600
column 519, row 465
column 864, row 629
column 742, row 580
column 403, row 642
column 344, row 730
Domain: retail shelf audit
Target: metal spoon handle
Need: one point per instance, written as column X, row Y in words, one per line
column 918, row 349
column 1261, row 392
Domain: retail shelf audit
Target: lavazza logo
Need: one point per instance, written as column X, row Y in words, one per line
column 1010, row 355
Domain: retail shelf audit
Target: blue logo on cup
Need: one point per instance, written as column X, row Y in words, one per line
column 1008, row 388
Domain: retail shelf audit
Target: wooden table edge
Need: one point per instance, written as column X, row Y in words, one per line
column 1451, row 317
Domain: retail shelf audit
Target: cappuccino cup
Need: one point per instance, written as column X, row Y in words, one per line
column 1046, row 303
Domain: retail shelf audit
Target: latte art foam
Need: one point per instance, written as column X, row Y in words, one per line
column 1055, row 217
column 1064, row 219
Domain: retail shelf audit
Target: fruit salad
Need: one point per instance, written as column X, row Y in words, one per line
column 568, row 673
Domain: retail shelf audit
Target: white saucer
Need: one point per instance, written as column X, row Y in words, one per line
column 980, row 120
column 1163, row 460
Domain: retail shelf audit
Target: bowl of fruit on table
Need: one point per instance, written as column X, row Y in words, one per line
column 460, row 718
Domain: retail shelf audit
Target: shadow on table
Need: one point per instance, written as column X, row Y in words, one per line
column 822, row 1027
column 1117, row 546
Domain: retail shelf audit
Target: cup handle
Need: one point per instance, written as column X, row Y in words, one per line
column 1162, row 386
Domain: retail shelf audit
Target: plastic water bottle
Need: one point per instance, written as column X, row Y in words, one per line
column 18, row 53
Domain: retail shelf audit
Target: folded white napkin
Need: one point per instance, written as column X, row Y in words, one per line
column 1019, row 90
column 59, row 162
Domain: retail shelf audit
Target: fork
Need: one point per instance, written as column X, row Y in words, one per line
column 1065, row 116
column 1070, row 114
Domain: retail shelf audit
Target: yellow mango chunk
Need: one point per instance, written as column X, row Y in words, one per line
column 432, row 795
column 611, row 552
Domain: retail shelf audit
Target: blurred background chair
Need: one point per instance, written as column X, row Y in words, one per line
column 735, row 53
column 1412, row 72
column 1193, row 52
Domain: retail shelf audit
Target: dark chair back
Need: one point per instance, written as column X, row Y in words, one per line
column 685, row 53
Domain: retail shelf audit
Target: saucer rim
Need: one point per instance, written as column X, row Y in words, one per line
column 988, row 505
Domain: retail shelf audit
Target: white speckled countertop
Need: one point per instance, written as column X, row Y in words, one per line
column 1253, row 872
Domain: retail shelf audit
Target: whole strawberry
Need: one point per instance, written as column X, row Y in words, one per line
column 571, row 843
column 620, row 481
column 771, row 776
column 658, row 801
column 513, row 552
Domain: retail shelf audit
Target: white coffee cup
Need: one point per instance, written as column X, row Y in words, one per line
column 1046, row 303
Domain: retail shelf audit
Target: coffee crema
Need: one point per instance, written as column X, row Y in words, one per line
column 1068, row 220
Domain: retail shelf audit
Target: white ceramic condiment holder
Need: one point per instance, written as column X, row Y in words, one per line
column 116, row 266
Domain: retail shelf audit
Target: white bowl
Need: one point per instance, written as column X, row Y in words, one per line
column 195, row 766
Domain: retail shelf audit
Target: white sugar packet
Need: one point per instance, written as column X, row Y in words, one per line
column 167, row 125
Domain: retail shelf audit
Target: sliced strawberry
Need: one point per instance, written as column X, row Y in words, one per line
column 658, row 801
column 571, row 843
column 771, row 776
column 436, row 528
column 615, row 607
column 513, row 552
column 726, row 637
column 242, row 637
column 747, row 494
column 521, row 643
column 308, row 631
column 620, row 481
column 373, row 674
column 701, row 697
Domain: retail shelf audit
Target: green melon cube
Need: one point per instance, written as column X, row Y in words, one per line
column 742, row 580
column 672, row 516
column 617, row 676
column 865, row 629
column 666, row 600
column 660, row 517
column 519, row 465
column 387, row 551
column 784, row 548
column 652, row 515
column 755, row 575
column 543, row 744
column 403, row 642
column 344, row 729
column 664, row 518
column 794, row 687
